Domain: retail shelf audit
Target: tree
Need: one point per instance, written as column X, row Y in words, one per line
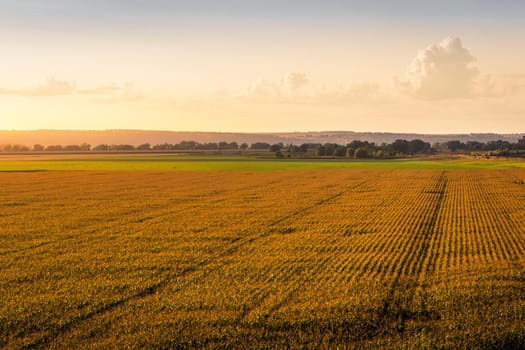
column 72, row 148
column 330, row 148
column 380, row 154
column 275, row 148
column 497, row 145
column 122, row 147
column 504, row 152
column 38, row 148
column 144, row 147
column 400, row 146
column 418, row 146
column 211, row 145
column 54, row 148
column 361, row 153
column 20, row 148
column 356, row 144
column 260, row 145
column 340, row 151
column 321, row 151
column 303, row 148
column 244, row 146
column 163, row 146
column 101, row 147
column 350, row 152
column 186, row 145
column 455, row 145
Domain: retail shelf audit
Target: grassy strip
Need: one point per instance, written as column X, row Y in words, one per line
column 167, row 163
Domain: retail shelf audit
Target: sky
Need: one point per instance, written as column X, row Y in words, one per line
column 448, row 66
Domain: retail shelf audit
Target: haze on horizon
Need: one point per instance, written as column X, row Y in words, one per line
column 263, row 66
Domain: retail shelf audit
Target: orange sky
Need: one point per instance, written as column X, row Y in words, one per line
column 259, row 71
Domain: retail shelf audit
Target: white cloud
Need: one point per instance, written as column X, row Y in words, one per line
column 498, row 87
column 52, row 87
column 100, row 90
column 358, row 93
column 296, row 88
column 509, row 85
column 441, row 71
column 116, row 94
column 289, row 87
column 266, row 89
column 295, row 81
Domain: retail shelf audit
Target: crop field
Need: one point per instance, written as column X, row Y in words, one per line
column 352, row 258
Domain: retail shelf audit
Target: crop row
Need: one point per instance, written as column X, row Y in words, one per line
column 313, row 258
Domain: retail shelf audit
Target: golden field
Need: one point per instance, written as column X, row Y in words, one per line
column 264, row 259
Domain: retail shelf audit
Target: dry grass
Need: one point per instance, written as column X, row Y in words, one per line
column 300, row 259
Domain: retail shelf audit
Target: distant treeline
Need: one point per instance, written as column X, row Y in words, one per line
column 354, row 149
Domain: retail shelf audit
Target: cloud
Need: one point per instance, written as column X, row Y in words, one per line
column 441, row 71
column 296, row 88
column 501, row 86
column 116, row 94
column 295, row 81
column 358, row 93
column 266, row 89
column 513, row 84
column 100, row 90
column 104, row 93
column 52, row 87
column 286, row 88
column 131, row 93
column 517, row 76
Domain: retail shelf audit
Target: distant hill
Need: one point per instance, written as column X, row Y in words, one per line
column 137, row 137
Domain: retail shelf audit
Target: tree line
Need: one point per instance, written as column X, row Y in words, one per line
column 354, row 149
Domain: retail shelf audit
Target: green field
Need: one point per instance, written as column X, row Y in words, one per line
column 175, row 162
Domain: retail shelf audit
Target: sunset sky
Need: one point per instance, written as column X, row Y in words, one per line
column 445, row 66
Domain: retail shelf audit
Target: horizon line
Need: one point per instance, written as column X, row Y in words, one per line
column 267, row 132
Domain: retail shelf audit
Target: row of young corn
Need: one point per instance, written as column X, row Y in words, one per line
column 157, row 259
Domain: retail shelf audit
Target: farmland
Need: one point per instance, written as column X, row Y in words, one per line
column 356, row 255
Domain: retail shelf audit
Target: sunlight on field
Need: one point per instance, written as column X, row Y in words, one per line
column 262, row 174
column 363, row 258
